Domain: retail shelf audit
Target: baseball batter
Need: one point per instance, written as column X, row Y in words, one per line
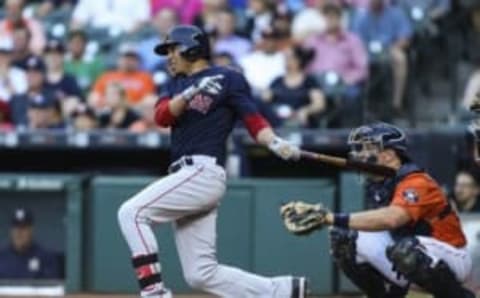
column 201, row 105
column 410, row 236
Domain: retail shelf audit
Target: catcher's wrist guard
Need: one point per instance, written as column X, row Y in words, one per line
column 341, row 220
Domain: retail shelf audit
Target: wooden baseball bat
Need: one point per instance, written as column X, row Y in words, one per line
column 341, row 162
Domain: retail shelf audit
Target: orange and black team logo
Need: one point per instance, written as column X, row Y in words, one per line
column 410, row 195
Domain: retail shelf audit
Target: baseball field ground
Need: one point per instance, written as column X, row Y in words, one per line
column 206, row 296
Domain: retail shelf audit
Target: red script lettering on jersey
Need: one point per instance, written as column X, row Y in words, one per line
column 201, row 103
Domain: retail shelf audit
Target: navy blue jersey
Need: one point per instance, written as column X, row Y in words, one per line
column 32, row 264
column 204, row 126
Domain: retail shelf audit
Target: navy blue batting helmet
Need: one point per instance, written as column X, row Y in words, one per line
column 381, row 134
column 193, row 42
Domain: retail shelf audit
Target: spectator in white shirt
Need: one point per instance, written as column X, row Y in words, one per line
column 262, row 66
column 116, row 15
column 13, row 80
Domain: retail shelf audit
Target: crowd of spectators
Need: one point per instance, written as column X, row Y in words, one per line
column 84, row 65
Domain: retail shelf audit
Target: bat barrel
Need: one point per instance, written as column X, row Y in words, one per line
column 349, row 164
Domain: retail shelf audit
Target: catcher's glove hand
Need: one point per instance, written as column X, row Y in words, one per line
column 302, row 218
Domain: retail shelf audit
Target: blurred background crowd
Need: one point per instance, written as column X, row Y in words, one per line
column 83, row 65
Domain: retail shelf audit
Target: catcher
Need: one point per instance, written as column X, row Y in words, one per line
column 411, row 235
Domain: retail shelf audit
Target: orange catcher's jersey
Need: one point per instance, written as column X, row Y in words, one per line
column 426, row 203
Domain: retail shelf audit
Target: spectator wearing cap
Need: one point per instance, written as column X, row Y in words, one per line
column 12, row 79
column 163, row 21
column 340, row 51
column 86, row 67
column 37, row 92
column 45, row 113
column 187, row 10
column 265, row 64
column 63, row 84
column 282, row 25
column 14, row 18
column 227, row 41
column 118, row 114
column 296, row 97
column 386, row 26
column 137, row 84
column 116, row 16
column 83, row 118
column 467, row 191
column 21, row 50
column 23, row 257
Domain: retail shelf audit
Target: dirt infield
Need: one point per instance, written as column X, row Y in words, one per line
column 188, row 296
column 206, row 296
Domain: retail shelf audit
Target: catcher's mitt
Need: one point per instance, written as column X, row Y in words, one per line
column 302, row 218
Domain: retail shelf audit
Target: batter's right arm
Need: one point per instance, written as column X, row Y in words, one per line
column 277, row 145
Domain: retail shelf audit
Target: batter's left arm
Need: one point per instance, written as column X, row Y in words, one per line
column 167, row 110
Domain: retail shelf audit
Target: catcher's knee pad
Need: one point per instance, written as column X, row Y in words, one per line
column 410, row 260
column 364, row 276
column 343, row 244
column 371, row 282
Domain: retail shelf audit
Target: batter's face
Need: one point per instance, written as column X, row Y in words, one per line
column 177, row 65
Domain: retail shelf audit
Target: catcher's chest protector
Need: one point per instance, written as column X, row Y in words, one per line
column 380, row 194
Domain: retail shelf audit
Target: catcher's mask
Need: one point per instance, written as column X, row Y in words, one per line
column 367, row 141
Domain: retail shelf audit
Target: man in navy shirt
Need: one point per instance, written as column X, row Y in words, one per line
column 23, row 258
column 201, row 105
column 39, row 107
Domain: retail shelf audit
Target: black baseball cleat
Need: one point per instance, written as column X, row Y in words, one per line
column 299, row 287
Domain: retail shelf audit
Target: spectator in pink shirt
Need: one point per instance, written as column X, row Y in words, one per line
column 14, row 19
column 339, row 51
column 186, row 9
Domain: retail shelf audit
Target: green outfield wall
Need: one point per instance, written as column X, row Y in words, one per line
column 78, row 215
